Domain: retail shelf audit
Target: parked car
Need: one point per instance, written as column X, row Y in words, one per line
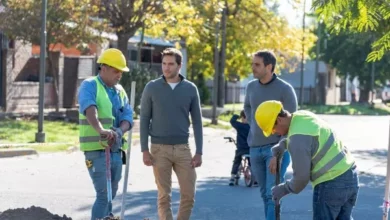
column 386, row 94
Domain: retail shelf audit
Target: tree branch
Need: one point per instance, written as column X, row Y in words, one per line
column 258, row 15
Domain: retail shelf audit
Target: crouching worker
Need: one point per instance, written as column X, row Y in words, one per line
column 317, row 155
column 104, row 112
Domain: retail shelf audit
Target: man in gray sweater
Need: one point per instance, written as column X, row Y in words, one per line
column 266, row 86
column 166, row 104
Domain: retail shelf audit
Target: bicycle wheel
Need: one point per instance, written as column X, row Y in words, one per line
column 248, row 176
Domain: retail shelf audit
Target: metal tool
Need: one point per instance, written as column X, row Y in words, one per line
column 130, row 134
column 108, row 170
column 277, row 182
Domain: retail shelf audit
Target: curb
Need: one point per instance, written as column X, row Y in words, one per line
column 4, row 153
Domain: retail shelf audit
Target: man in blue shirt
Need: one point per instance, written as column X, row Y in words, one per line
column 93, row 103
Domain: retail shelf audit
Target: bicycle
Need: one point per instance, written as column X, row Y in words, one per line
column 244, row 168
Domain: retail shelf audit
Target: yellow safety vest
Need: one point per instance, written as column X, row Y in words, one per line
column 332, row 158
column 88, row 136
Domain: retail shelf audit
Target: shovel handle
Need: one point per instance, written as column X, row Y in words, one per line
column 108, row 168
column 277, row 182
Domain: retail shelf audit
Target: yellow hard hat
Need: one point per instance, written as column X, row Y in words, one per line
column 266, row 114
column 114, row 58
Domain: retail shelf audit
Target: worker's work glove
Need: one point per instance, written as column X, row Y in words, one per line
column 279, row 191
column 116, row 146
column 279, row 149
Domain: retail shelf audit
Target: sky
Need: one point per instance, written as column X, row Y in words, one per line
column 294, row 16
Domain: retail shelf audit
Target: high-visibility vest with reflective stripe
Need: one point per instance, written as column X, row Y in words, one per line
column 332, row 158
column 89, row 137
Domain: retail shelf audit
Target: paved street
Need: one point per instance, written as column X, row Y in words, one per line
column 60, row 183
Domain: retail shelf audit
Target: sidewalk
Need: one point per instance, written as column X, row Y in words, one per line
column 16, row 152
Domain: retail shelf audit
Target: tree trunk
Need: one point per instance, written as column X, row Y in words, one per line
column 364, row 94
column 123, row 39
column 222, row 61
column 140, row 44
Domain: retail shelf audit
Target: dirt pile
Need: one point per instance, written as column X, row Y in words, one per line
column 32, row 213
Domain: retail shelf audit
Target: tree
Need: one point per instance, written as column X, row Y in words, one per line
column 347, row 53
column 250, row 26
column 359, row 16
column 126, row 17
column 68, row 23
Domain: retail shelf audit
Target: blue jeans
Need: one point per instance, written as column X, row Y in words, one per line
column 260, row 159
column 97, row 172
column 335, row 199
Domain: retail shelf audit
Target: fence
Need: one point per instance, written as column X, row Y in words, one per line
column 233, row 94
column 236, row 94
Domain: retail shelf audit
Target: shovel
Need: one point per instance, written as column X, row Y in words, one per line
column 277, row 181
column 108, row 170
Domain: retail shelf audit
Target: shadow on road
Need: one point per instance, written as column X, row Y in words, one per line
column 377, row 154
column 215, row 200
column 371, row 194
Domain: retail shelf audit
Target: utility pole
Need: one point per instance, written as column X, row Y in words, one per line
column 372, row 77
column 40, row 135
column 303, row 53
column 316, row 89
column 141, row 42
column 221, row 81
column 372, row 82
column 216, row 67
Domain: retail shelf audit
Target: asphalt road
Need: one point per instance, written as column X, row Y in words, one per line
column 60, row 183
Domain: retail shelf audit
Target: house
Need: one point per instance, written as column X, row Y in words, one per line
column 328, row 83
column 19, row 70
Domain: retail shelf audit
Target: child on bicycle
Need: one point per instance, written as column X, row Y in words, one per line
column 242, row 129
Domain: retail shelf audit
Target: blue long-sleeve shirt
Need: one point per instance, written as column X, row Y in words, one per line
column 87, row 98
column 242, row 132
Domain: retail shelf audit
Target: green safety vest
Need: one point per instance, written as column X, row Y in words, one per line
column 89, row 138
column 332, row 158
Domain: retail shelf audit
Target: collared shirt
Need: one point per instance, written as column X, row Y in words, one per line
column 274, row 76
column 87, row 98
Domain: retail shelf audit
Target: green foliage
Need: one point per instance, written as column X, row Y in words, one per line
column 347, row 53
column 126, row 17
column 204, row 92
column 23, row 131
column 141, row 76
column 250, row 26
column 359, row 16
column 68, row 22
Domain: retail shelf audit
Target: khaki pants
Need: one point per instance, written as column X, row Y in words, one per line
column 178, row 158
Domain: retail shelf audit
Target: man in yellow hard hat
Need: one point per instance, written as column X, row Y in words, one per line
column 317, row 155
column 104, row 111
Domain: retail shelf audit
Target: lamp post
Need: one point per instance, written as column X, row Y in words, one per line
column 40, row 135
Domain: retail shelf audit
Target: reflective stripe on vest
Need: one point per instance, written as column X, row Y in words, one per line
column 89, row 139
column 101, row 120
column 332, row 158
column 321, row 154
